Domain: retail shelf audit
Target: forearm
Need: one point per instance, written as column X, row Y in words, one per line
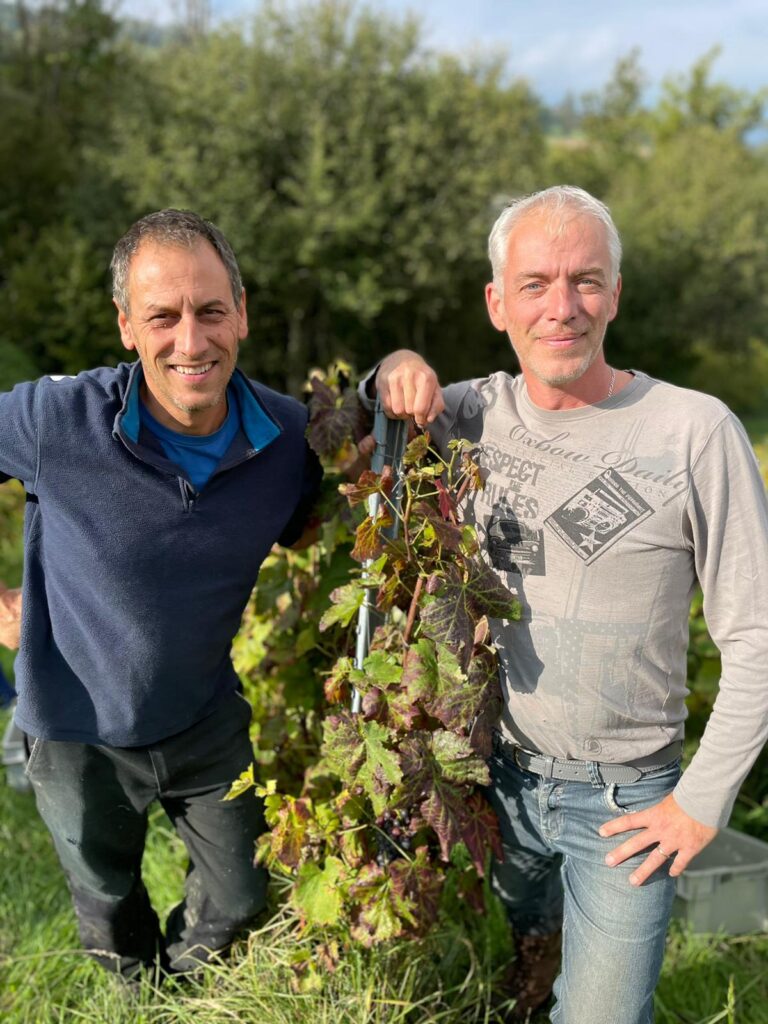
column 407, row 386
column 10, row 616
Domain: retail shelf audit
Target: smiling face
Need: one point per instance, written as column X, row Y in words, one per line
column 556, row 302
column 185, row 327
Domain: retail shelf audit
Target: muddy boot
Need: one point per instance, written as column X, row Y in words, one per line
column 532, row 973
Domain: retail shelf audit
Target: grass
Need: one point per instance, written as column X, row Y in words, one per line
column 46, row 979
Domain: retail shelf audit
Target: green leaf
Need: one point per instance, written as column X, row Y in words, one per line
column 242, row 784
column 416, row 450
column 377, row 918
column 357, row 752
column 317, row 894
column 457, row 760
column 346, row 603
column 457, row 697
column 448, row 535
column 380, row 669
column 420, row 670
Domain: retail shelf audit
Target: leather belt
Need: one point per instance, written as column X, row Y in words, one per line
column 566, row 770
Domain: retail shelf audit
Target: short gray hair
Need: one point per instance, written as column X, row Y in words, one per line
column 170, row 227
column 554, row 201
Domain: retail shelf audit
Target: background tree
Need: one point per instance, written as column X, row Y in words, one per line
column 357, row 174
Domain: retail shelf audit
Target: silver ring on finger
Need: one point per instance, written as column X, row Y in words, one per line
column 659, row 849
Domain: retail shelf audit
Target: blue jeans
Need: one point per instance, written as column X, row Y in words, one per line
column 94, row 800
column 554, row 875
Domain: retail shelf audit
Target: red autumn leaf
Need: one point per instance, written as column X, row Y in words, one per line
column 368, row 483
column 480, row 831
column 369, row 542
column 334, row 419
column 445, row 500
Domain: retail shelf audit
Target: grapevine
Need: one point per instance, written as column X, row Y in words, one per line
column 369, row 837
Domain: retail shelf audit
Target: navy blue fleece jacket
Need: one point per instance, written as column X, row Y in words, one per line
column 134, row 584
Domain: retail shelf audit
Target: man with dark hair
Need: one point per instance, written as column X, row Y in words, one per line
column 154, row 492
column 609, row 496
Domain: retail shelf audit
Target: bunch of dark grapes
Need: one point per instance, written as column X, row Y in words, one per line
column 392, row 835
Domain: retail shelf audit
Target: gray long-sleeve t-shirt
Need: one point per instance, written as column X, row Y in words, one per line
column 603, row 519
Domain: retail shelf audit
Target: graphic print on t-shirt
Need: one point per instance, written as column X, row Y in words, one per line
column 598, row 515
column 513, row 546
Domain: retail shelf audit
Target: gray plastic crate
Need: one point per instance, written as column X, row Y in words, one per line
column 725, row 888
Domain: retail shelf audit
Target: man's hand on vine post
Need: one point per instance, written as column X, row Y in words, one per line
column 408, row 386
column 10, row 616
column 674, row 836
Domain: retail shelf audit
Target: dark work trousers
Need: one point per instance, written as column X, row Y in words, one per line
column 94, row 800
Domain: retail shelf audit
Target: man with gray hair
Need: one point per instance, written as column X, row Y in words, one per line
column 154, row 492
column 609, row 497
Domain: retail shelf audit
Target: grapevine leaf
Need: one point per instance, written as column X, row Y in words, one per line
column 474, row 474
column 351, row 808
column 434, row 583
column 377, row 919
column 374, row 705
column 381, row 669
column 355, row 750
column 354, row 848
column 418, row 883
column 392, row 708
column 343, row 748
column 336, row 686
column 334, row 420
column 445, row 500
column 446, row 614
column 461, row 444
column 242, row 784
column 448, row 535
column 480, row 831
column 444, row 811
column 317, row 894
column 381, row 769
column 420, row 670
column 437, row 768
column 368, row 540
column 391, row 593
column 451, row 614
column 457, row 760
column 346, row 603
column 488, row 594
column 484, row 673
column 289, row 832
column 369, row 483
column 458, row 696
column 416, row 450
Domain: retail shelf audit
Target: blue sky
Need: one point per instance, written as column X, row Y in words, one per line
column 562, row 45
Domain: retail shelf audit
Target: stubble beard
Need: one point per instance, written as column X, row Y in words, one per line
column 558, row 379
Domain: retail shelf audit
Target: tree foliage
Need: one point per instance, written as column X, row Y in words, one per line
column 357, row 174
